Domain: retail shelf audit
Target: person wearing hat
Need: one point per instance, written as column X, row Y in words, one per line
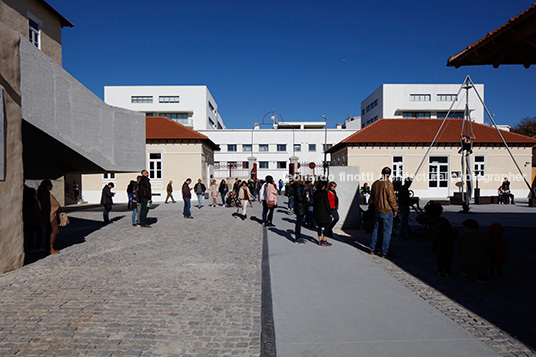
column 106, row 201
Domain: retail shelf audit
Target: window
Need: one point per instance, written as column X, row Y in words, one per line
column 281, row 164
column 219, row 126
column 108, row 176
column 372, row 105
column 458, row 115
column 211, row 122
column 263, row 147
column 281, row 147
column 419, row 97
column 169, row 99
column 211, row 107
column 35, row 32
column 245, row 164
column 263, row 164
column 231, row 147
column 297, row 147
column 416, row 115
column 326, row 146
column 181, row 118
column 398, row 166
column 447, row 97
column 312, row 147
column 362, row 112
column 370, row 121
column 149, row 114
column 141, row 99
column 480, row 166
column 246, row 147
column 155, row 165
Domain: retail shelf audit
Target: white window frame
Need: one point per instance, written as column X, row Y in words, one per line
column 140, row 99
column 297, row 147
column 108, row 176
column 169, row 99
column 281, row 147
column 480, row 167
column 153, row 166
column 420, row 97
column 262, row 163
column 262, row 146
column 37, row 33
column 281, row 163
column 249, row 146
column 398, row 167
column 313, row 147
column 229, row 146
column 447, row 97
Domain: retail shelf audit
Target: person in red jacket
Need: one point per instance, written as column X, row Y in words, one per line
column 334, row 204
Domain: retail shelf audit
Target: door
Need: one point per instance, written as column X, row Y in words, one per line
column 438, row 176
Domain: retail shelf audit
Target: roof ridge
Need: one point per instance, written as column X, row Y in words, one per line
column 182, row 125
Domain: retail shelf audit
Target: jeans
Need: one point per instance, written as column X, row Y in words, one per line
column 143, row 211
column 223, row 194
column 130, row 197
column 387, row 220
column 199, row 200
column 106, row 213
column 264, row 210
column 134, row 213
column 186, row 212
column 333, row 222
column 290, row 203
column 297, row 227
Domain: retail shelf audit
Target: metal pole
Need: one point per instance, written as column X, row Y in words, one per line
column 325, row 147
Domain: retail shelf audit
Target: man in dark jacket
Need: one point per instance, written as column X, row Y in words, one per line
column 106, row 201
column 187, row 196
column 145, row 197
column 382, row 196
column 199, row 189
column 300, row 208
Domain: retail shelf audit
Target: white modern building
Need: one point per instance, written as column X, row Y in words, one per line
column 352, row 122
column 193, row 106
column 421, row 101
column 281, row 149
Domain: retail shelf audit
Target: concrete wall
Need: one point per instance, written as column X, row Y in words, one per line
column 347, row 179
column 11, row 227
column 57, row 104
column 498, row 165
column 14, row 14
column 179, row 161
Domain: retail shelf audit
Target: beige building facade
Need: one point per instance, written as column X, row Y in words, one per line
column 386, row 144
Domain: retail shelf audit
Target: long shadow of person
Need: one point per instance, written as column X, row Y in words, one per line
column 256, row 219
column 286, row 234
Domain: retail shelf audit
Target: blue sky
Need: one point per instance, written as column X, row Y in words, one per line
column 287, row 56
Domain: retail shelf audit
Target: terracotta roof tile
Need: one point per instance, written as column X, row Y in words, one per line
column 163, row 128
column 422, row 131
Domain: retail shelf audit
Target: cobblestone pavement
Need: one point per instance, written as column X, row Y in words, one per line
column 493, row 312
column 181, row 288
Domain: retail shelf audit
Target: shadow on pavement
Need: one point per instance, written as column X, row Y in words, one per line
column 507, row 303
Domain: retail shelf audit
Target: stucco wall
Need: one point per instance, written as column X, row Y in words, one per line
column 498, row 165
column 13, row 13
column 179, row 161
column 11, row 228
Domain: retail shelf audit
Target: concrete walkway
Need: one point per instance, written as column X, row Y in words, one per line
column 335, row 301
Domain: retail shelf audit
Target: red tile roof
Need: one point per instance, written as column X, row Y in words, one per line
column 163, row 128
column 422, row 131
column 509, row 43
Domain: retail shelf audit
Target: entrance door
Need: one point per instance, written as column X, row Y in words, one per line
column 438, row 176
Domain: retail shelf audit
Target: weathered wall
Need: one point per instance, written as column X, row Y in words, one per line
column 11, row 228
column 13, row 13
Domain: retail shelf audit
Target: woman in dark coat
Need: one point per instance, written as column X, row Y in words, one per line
column 106, row 201
column 322, row 211
column 300, row 208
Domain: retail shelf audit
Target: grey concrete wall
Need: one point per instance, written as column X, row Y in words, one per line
column 347, row 179
column 56, row 103
column 11, row 227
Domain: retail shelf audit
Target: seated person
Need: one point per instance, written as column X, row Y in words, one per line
column 232, row 200
column 500, row 193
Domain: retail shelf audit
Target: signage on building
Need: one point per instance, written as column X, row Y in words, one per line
column 2, row 138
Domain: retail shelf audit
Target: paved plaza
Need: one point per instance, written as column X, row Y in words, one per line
column 196, row 288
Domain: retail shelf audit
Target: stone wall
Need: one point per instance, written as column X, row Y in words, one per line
column 11, row 227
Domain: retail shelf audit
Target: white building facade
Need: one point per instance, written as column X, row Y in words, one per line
column 272, row 151
column 193, row 106
column 421, row 101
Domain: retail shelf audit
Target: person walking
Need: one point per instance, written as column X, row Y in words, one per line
column 187, row 197
column 280, row 186
column 403, row 208
column 382, row 196
column 49, row 212
column 334, row 204
column 322, row 212
column 135, row 201
column 199, row 190
column 76, row 191
column 244, row 195
column 107, row 201
column 223, row 190
column 214, row 193
column 145, row 197
column 300, row 208
column 169, row 190
column 269, row 197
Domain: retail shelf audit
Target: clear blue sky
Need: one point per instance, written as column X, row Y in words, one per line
column 287, row 56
